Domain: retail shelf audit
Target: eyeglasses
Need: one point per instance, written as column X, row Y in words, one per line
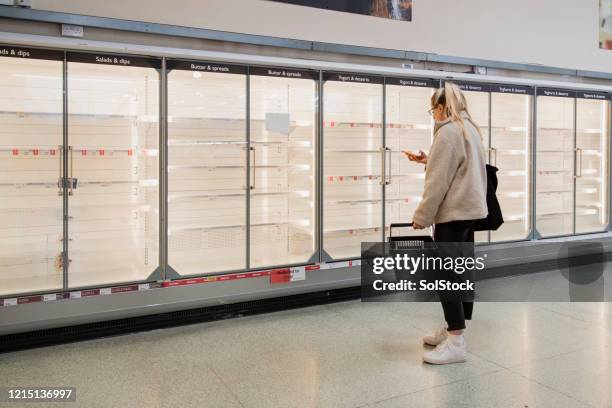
column 431, row 111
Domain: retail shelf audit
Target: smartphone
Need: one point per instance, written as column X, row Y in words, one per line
column 420, row 155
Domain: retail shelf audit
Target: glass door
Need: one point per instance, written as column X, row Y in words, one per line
column 113, row 133
column 352, row 163
column 510, row 152
column 409, row 126
column 283, row 128
column 478, row 102
column 592, row 166
column 207, row 151
column 555, row 162
column 31, row 147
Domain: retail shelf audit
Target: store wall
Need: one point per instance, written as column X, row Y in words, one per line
column 562, row 33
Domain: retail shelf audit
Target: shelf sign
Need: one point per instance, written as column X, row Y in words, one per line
column 207, row 67
column 465, row 86
column 108, row 59
column 288, row 275
column 593, row 95
column 283, row 73
column 513, row 89
column 561, row 93
column 422, row 83
column 30, row 53
column 298, row 274
column 359, row 78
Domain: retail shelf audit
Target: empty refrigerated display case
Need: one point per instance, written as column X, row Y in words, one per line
column 31, row 152
column 555, row 159
column 510, row 151
column 592, row 162
column 112, row 168
column 408, row 126
column 282, row 148
column 353, row 156
column 207, row 168
column 241, row 167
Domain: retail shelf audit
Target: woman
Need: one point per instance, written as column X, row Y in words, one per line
column 453, row 199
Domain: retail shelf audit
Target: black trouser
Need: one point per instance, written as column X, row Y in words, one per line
column 456, row 313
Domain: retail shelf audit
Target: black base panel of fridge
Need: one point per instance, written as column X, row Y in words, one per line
column 62, row 335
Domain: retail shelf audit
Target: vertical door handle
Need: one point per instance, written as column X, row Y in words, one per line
column 61, row 180
column 390, row 165
column 254, row 166
column 493, row 156
column 71, row 179
column 578, row 161
column 383, row 167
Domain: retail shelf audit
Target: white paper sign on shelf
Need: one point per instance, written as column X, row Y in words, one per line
column 277, row 123
column 298, row 274
column 10, row 302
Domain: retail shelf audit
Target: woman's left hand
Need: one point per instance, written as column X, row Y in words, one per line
column 421, row 157
column 417, row 226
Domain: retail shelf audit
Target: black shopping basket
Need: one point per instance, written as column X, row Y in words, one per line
column 407, row 242
column 411, row 245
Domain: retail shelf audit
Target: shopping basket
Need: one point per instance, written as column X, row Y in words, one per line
column 411, row 245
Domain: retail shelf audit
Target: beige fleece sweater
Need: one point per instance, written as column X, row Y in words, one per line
column 455, row 177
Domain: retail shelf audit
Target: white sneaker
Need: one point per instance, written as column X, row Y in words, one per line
column 437, row 337
column 452, row 350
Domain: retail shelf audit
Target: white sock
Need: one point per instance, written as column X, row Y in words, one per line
column 456, row 339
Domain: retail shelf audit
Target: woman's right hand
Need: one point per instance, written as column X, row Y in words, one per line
column 419, row 157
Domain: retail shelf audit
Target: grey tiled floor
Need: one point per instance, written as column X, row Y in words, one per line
column 341, row 355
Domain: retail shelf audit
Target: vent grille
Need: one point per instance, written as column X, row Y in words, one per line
column 47, row 337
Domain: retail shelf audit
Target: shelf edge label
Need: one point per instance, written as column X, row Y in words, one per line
column 201, row 66
column 348, row 77
column 283, row 73
column 593, row 95
column 111, row 59
column 560, row 93
column 30, row 53
column 468, row 86
column 298, row 274
column 513, row 89
column 416, row 82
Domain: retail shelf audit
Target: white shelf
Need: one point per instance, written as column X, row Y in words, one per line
column 548, row 172
column 358, row 229
column 591, row 131
column 410, row 199
column 79, row 152
column 22, row 114
column 555, row 191
column 518, row 129
column 206, row 227
column 226, row 167
column 511, row 152
column 254, row 193
column 190, row 143
column 351, row 151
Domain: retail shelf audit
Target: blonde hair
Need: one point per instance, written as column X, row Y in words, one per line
column 454, row 103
